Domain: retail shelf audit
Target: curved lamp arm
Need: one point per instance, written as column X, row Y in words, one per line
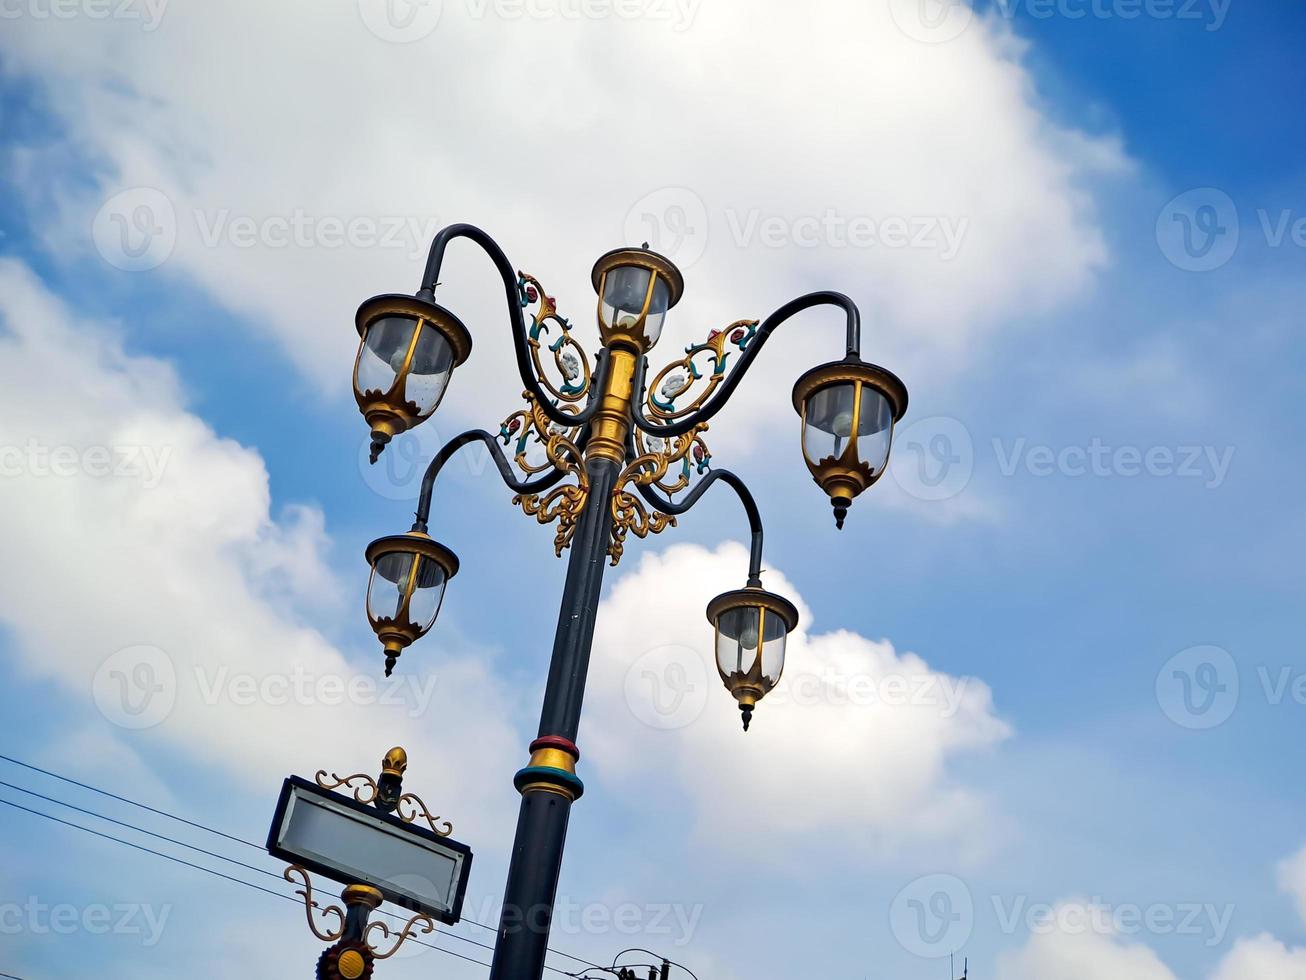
column 500, row 461
column 430, row 279
column 674, row 508
column 767, row 327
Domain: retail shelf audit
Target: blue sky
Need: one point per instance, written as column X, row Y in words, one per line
column 1095, row 161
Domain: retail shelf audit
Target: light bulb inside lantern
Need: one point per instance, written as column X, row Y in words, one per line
column 842, row 426
column 748, row 638
column 397, row 359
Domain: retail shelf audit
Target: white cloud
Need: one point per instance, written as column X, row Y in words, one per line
column 1260, row 957
column 169, row 597
column 1080, row 954
column 553, row 133
column 1291, row 872
column 857, row 739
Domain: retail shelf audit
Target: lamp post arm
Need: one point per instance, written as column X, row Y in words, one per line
column 430, row 279
column 500, row 460
column 668, row 506
column 731, row 382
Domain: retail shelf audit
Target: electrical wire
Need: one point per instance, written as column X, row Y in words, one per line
column 221, row 857
column 230, row 837
column 200, row 867
column 250, row 884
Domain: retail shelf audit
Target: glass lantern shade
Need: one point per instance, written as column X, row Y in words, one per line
column 404, row 593
column 848, row 410
column 636, row 287
column 829, row 419
column 406, row 356
column 752, row 626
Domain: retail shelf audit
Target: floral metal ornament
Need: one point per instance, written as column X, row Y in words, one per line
column 531, row 428
column 364, row 789
column 705, row 362
column 569, row 358
column 684, row 455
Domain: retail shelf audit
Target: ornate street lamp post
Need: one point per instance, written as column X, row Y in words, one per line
column 601, row 452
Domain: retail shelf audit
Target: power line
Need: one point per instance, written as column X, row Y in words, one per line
column 230, row 837
column 123, row 799
column 249, row 867
column 200, row 867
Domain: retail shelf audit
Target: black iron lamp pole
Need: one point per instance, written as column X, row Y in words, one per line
column 627, row 450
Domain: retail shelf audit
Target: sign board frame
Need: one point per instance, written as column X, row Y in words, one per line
column 296, row 787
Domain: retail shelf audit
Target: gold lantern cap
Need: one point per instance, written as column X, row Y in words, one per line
column 401, row 304
column 850, row 369
column 643, row 258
